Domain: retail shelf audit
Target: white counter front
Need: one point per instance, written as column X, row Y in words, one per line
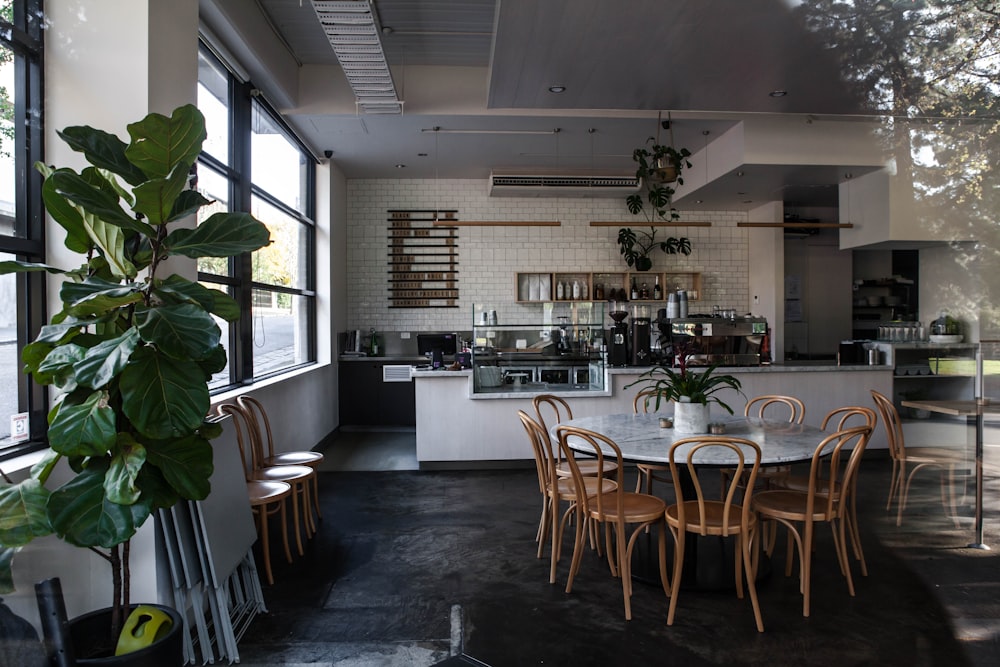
column 454, row 424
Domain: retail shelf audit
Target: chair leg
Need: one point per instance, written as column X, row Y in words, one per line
column 624, row 569
column 265, row 543
column 893, row 483
column 284, row 530
column 315, row 497
column 675, row 586
column 746, row 541
column 806, row 567
column 577, row 550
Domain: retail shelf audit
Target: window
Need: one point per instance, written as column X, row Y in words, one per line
column 22, row 296
column 252, row 162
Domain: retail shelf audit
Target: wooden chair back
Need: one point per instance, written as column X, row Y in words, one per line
column 834, row 463
column 714, row 517
column 644, row 398
column 257, row 417
column 600, row 447
column 769, row 403
column 244, row 438
column 893, row 424
column 541, row 447
column 859, row 415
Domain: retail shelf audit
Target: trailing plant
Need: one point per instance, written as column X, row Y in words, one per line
column 635, row 246
column 130, row 354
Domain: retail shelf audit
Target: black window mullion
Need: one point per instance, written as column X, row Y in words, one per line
column 241, row 197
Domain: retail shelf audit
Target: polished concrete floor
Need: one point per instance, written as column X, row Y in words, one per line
column 416, row 568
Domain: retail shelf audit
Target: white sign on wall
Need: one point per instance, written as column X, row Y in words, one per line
column 19, row 427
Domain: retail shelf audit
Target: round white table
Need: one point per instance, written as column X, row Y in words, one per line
column 641, row 439
column 708, row 561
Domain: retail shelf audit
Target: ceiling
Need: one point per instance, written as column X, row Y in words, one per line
column 480, row 71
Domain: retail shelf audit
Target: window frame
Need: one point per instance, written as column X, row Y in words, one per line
column 242, row 101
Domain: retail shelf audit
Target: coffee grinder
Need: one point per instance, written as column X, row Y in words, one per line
column 618, row 335
column 640, row 336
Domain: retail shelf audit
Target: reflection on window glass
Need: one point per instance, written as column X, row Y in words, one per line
column 220, row 379
column 9, row 366
column 280, row 331
column 213, row 102
column 280, row 263
column 7, row 182
column 215, row 187
column 277, row 166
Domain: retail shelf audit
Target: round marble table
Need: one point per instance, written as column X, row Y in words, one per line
column 643, row 441
column 708, row 561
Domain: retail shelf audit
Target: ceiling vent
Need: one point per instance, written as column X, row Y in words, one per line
column 536, row 184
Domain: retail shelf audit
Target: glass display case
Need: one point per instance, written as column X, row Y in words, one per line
column 552, row 347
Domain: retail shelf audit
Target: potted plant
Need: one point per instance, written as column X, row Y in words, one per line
column 130, row 354
column 692, row 391
column 657, row 166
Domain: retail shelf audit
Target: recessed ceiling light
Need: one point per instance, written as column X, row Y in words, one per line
column 557, row 89
column 778, row 93
column 421, row 154
column 699, row 201
column 400, row 166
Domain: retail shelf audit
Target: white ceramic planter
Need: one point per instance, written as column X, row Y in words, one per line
column 690, row 418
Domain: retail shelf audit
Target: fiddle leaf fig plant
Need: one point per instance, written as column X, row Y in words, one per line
column 129, row 356
column 656, row 167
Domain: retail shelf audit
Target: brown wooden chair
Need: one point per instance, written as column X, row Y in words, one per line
column 558, row 410
column 555, row 490
column 302, row 457
column 299, row 477
column 832, row 474
column 771, row 406
column 839, row 419
column 725, row 518
column 267, row 497
column 916, row 458
column 648, row 472
column 614, row 510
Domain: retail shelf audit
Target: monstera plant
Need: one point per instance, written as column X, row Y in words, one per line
column 129, row 356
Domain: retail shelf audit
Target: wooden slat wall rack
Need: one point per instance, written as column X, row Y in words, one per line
column 423, row 259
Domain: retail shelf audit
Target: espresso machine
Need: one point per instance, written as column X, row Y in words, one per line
column 640, row 336
column 618, row 335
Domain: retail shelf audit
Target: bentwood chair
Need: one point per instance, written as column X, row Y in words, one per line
column 614, row 510
column 558, row 410
column 648, row 472
column 917, row 458
column 267, row 497
column 555, row 490
column 297, row 476
column 725, row 518
column 771, row 406
column 832, row 472
column 255, row 409
column 839, row 419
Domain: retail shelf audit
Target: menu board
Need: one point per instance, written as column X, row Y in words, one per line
column 423, row 259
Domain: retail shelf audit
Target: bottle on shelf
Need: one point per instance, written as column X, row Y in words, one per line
column 644, row 291
column 599, row 292
column 576, row 290
column 583, row 290
column 635, row 291
column 560, row 290
column 657, row 290
column 373, row 343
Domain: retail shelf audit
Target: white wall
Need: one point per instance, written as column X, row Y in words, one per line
column 489, row 257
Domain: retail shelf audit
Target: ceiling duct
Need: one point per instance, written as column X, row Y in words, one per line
column 355, row 34
column 532, row 183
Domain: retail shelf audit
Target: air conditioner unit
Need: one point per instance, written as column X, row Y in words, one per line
column 561, row 184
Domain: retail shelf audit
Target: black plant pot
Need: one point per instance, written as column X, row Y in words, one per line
column 643, row 263
column 92, row 644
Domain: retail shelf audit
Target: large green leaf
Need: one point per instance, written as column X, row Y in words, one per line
column 100, row 301
column 126, row 462
column 83, row 429
column 16, row 266
column 111, row 241
column 22, row 512
column 221, row 235
column 96, row 201
column 103, row 150
column 179, row 289
column 182, row 331
column 188, row 203
column 160, row 143
column 64, row 212
column 156, row 197
column 214, row 362
column 59, row 333
column 105, row 360
column 185, row 463
column 57, row 367
column 81, row 514
column 163, row 397
column 155, row 489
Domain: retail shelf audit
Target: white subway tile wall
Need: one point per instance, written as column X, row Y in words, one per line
column 489, row 257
